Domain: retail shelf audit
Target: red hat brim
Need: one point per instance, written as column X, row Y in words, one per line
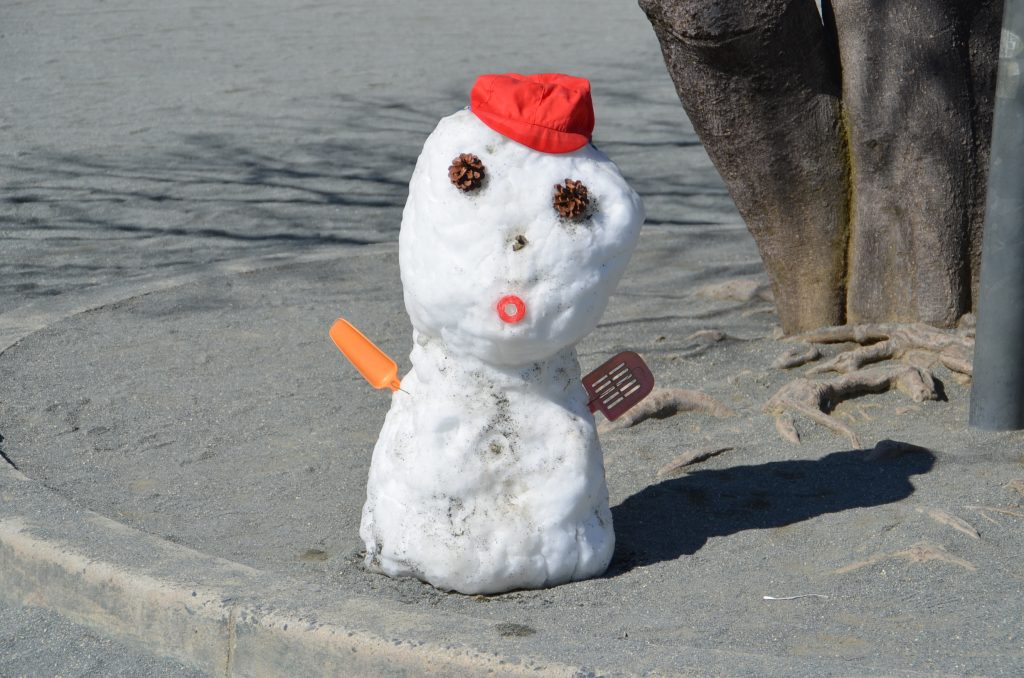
column 548, row 112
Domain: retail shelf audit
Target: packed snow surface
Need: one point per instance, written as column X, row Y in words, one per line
column 488, row 474
column 456, row 249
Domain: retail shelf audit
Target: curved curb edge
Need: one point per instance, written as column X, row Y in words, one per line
column 219, row 616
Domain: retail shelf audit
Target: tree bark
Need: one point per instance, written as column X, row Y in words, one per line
column 855, row 144
column 759, row 83
column 984, row 19
column 915, row 127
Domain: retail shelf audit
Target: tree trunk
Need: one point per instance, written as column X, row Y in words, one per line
column 908, row 89
column 759, row 83
column 855, row 146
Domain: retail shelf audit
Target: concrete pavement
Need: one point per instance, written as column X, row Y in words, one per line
column 192, row 193
column 208, row 439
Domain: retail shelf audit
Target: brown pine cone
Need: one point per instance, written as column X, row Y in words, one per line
column 571, row 201
column 466, row 172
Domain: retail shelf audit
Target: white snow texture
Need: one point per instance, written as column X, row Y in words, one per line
column 488, row 475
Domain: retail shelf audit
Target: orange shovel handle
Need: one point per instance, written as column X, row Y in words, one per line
column 373, row 363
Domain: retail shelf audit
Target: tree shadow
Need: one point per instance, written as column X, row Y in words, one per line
column 3, row 454
column 677, row 516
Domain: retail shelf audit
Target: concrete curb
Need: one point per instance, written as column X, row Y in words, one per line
column 228, row 619
column 219, row 616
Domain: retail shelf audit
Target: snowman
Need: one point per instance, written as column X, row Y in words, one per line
column 488, row 474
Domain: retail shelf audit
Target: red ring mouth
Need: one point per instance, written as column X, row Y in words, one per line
column 511, row 308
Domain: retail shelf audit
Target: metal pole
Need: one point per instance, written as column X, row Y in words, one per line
column 997, row 394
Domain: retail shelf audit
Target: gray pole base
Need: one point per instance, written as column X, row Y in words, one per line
column 997, row 393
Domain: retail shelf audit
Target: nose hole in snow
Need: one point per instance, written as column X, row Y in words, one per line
column 519, row 243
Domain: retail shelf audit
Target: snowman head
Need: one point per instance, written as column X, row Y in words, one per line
column 508, row 252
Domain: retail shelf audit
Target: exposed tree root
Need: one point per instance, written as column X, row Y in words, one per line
column 921, row 552
column 664, row 402
column 737, row 289
column 919, row 347
column 699, row 342
column 948, row 519
column 688, row 458
column 886, row 341
column 795, row 357
column 816, row 399
column 786, row 427
column 983, row 511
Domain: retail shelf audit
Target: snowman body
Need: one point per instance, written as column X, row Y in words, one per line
column 488, row 474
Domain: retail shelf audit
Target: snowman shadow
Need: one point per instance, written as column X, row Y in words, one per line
column 676, row 517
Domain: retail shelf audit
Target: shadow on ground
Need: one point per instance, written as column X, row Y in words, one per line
column 677, row 516
column 3, row 455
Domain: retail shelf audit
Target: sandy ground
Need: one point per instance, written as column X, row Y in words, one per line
column 146, row 141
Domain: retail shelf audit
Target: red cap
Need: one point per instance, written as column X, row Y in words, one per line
column 548, row 112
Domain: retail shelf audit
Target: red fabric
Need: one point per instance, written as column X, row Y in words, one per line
column 548, row 112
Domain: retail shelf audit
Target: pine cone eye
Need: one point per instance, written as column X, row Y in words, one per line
column 571, row 200
column 467, row 172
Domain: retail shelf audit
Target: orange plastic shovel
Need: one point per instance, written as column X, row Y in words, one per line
column 373, row 363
